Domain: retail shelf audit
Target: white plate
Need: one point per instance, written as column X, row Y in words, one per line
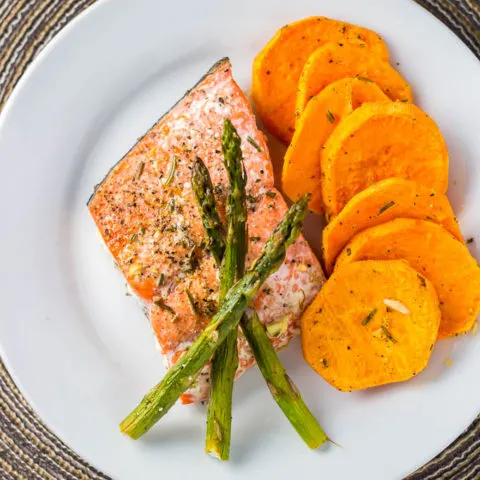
column 83, row 353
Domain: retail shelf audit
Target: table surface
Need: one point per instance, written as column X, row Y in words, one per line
column 28, row 450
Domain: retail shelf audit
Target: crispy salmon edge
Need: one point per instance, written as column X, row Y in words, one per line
column 216, row 66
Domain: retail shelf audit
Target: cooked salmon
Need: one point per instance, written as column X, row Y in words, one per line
column 146, row 212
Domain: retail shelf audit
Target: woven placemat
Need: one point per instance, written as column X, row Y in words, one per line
column 28, row 450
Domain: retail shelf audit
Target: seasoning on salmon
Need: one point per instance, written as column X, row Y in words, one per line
column 150, row 223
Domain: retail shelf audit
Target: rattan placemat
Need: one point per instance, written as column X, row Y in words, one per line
column 28, row 450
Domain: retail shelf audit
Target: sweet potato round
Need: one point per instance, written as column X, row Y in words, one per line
column 378, row 141
column 301, row 166
column 277, row 67
column 380, row 203
column 435, row 254
column 354, row 340
column 334, row 61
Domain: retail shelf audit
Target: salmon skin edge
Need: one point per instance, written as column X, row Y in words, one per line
column 210, row 71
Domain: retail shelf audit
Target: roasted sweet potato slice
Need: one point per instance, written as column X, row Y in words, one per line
column 277, row 67
column 434, row 253
column 380, row 203
column 334, row 61
column 378, row 141
column 373, row 322
column 301, row 167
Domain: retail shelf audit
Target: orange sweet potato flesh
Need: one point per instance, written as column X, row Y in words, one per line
column 355, row 341
column 301, row 168
column 433, row 252
column 277, row 68
column 334, row 61
column 384, row 201
column 378, row 141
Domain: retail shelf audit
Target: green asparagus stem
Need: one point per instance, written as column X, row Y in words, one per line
column 236, row 244
column 225, row 360
column 203, row 189
column 281, row 386
column 158, row 401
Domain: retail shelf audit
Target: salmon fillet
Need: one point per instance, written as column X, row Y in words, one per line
column 146, row 212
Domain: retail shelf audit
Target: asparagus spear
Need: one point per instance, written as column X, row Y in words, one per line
column 211, row 221
column 281, row 386
column 225, row 360
column 158, row 401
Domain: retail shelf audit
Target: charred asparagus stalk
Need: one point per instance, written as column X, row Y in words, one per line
column 158, row 401
column 225, row 360
column 281, row 386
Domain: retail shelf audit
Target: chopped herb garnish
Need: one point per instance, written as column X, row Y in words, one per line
column 470, row 240
column 254, row 144
column 367, row 319
column 386, row 207
column 302, row 301
column 388, row 334
column 344, row 27
column 254, row 239
column 133, row 237
column 422, row 280
column 161, row 304
column 191, row 302
column 404, row 100
column 161, row 280
column 267, row 291
column 349, row 252
column 330, row 116
column 209, row 308
column 171, row 173
column 324, row 362
column 141, row 230
column 218, row 189
column 190, row 264
column 252, row 198
column 271, row 194
column 364, row 79
column 140, row 168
